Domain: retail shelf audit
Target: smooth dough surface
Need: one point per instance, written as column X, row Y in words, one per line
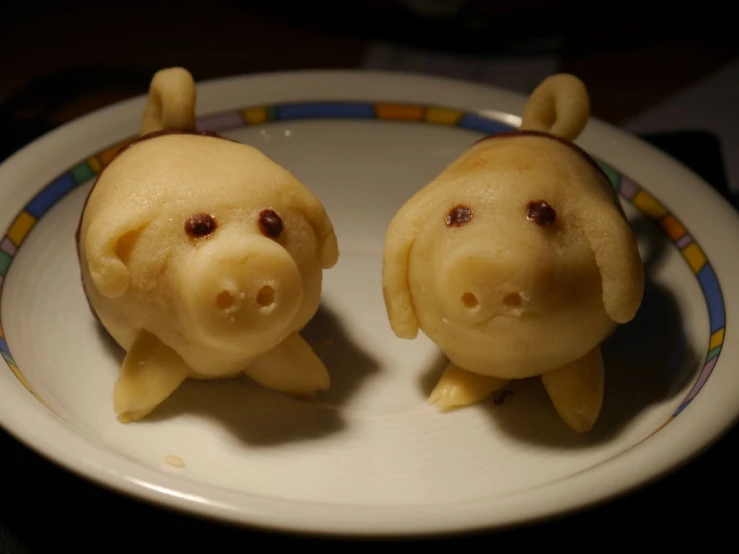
column 199, row 255
column 517, row 259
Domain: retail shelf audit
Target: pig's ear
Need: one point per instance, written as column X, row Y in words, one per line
column 329, row 247
column 399, row 239
column 328, row 244
column 559, row 106
column 616, row 255
column 108, row 246
column 171, row 102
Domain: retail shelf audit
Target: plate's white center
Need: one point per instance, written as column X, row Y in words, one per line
column 372, row 439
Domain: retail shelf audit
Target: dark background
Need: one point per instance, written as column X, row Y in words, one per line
column 63, row 59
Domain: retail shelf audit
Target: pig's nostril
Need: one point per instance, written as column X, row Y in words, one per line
column 225, row 300
column 512, row 300
column 470, row 300
column 266, row 296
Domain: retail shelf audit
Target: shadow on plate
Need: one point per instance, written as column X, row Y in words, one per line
column 349, row 366
column 648, row 360
column 258, row 416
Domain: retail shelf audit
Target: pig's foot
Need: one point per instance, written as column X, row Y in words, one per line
column 576, row 390
column 150, row 373
column 291, row 368
column 458, row 387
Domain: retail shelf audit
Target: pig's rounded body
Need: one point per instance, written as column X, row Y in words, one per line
column 202, row 258
column 220, row 299
column 500, row 294
column 518, row 261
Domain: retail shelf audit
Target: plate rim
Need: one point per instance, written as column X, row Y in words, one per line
column 139, row 488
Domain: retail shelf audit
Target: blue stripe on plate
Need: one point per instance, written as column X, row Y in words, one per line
column 317, row 110
column 711, row 290
column 45, row 199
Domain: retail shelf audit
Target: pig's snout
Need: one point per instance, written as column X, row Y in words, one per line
column 473, row 286
column 232, row 299
column 242, row 288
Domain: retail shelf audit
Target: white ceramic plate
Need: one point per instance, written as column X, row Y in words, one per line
column 371, row 457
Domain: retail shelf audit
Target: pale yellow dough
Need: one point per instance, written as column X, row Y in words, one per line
column 202, row 306
column 507, row 298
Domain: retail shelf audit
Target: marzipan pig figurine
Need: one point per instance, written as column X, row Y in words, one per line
column 202, row 258
column 518, row 261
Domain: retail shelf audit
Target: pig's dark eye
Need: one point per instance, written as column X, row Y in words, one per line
column 270, row 224
column 458, row 216
column 200, row 225
column 540, row 213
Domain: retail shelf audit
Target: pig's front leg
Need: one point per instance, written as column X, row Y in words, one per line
column 576, row 390
column 291, row 368
column 458, row 387
column 150, row 373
